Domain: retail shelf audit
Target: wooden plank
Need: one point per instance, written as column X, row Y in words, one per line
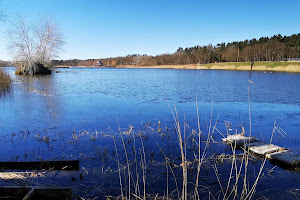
column 265, row 149
column 286, row 157
column 38, row 165
column 12, row 175
column 22, row 175
column 239, row 139
column 253, row 144
column 13, row 192
column 35, row 193
column 52, row 193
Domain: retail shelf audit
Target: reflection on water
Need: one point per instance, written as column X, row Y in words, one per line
column 41, row 86
column 75, row 113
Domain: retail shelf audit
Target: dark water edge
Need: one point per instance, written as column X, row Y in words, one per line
column 75, row 115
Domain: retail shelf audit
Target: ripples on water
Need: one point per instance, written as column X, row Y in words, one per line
column 132, row 95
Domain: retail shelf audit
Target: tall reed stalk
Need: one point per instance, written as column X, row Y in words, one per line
column 183, row 155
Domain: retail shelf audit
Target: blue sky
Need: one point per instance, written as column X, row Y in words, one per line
column 109, row 28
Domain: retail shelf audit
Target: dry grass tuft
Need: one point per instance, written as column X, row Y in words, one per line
column 5, row 82
column 19, row 71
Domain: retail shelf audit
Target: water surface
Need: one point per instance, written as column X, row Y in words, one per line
column 90, row 101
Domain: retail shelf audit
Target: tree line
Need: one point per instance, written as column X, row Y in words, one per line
column 275, row 48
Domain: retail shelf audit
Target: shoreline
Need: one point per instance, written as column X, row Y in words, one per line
column 284, row 66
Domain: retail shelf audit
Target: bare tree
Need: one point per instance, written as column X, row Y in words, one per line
column 34, row 45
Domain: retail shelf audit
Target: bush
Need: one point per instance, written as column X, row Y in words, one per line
column 35, row 68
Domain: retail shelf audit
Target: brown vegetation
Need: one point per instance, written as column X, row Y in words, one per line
column 4, row 63
column 5, row 82
column 19, row 71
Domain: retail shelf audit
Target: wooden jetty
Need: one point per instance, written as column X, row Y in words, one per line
column 276, row 154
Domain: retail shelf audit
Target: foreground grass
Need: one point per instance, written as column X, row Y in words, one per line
column 5, row 82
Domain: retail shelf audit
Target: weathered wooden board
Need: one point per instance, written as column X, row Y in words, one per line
column 265, row 149
column 35, row 193
column 286, row 157
column 22, row 175
column 38, row 165
column 11, row 175
column 253, row 144
column 51, row 193
column 239, row 139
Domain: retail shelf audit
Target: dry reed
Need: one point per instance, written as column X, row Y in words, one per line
column 5, row 82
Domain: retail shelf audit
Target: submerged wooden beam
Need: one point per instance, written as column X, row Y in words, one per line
column 38, row 165
column 265, row 149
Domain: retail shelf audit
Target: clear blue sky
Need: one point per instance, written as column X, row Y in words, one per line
column 109, row 28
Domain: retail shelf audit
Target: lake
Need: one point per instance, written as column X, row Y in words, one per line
column 76, row 112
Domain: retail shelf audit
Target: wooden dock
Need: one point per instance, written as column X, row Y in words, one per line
column 276, row 154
